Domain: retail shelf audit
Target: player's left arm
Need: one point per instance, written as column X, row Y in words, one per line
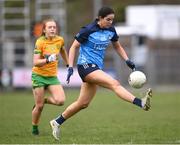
column 64, row 55
column 120, row 50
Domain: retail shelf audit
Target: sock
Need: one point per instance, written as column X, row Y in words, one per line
column 60, row 120
column 45, row 100
column 35, row 130
column 35, row 127
column 137, row 102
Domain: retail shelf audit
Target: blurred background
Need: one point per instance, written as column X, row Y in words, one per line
column 149, row 31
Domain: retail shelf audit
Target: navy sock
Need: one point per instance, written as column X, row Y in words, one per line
column 137, row 102
column 60, row 120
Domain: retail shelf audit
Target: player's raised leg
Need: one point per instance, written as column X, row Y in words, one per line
column 103, row 79
column 57, row 95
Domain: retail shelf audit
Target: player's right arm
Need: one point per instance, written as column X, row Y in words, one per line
column 79, row 38
column 72, row 52
column 38, row 60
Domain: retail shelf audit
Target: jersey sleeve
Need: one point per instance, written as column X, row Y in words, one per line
column 115, row 37
column 83, row 35
column 38, row 47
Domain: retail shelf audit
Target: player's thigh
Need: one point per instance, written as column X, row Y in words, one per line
column 57, row 91
column 87, row 92
column 39, row 94
column 101, row 78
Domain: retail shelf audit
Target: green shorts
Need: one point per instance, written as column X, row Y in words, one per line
column 42, row 81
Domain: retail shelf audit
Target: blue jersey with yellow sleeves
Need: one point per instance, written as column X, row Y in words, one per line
column 94, row 41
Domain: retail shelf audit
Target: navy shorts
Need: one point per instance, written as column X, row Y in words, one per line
column 86, row 69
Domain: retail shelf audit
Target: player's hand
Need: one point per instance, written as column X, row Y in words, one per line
column 51, row 58
column 131, row 64
column 70, row 73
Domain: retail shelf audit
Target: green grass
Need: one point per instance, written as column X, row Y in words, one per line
column 108, row 120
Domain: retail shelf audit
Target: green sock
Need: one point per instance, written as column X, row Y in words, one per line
column 35, row 127
column 35, row 130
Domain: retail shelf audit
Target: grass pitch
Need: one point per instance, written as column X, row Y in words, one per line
column 108, row 120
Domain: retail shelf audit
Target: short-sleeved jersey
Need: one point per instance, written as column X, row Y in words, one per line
column 45, row 47
column 94, row 41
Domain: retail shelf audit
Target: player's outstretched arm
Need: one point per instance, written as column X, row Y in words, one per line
column 121, row 52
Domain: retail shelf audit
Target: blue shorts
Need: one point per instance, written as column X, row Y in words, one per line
column 86, row 69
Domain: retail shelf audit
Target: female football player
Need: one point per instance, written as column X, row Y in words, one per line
column 44, row 71
column 93, row 40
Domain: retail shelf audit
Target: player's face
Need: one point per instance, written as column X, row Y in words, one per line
column 50, row 29
column 107, row 21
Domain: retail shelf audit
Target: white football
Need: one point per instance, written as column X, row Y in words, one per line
column 137, row 79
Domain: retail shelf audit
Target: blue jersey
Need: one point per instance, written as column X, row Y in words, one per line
column 93, row 43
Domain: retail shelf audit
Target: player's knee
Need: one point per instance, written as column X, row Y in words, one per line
column 84, row 105
column 60, row 102
column 115, row 84
column 39, row 107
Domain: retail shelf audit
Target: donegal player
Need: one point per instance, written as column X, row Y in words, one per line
column 44, row 72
